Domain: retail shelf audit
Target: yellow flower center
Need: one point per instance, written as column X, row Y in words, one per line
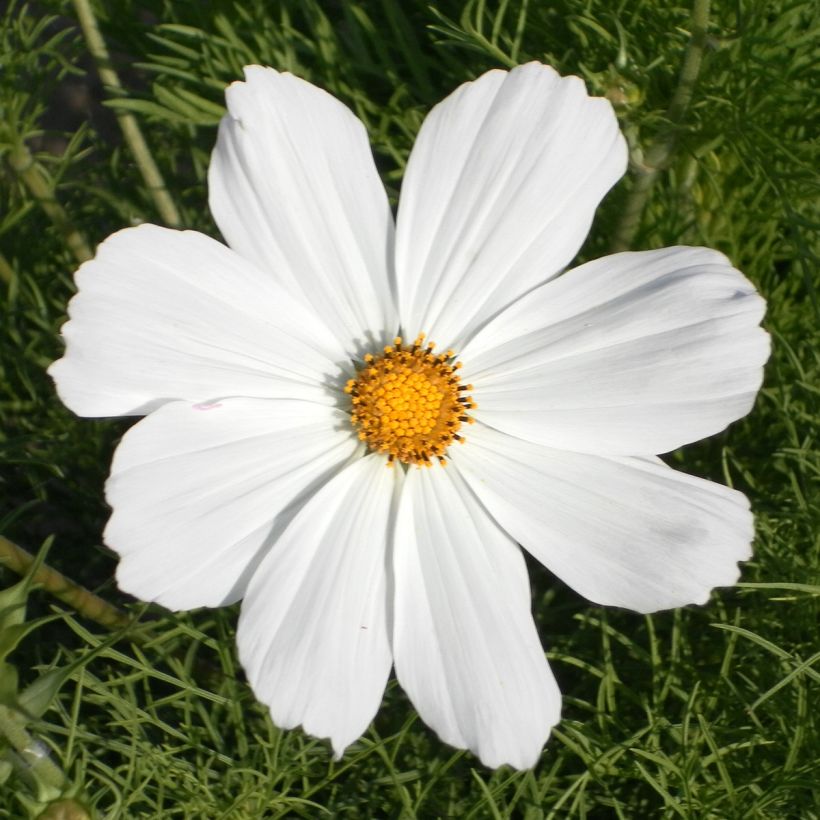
column 409, row 403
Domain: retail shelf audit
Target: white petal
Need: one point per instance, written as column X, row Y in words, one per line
column 293, row 187
column 200, row 493
column 464, row 642
column 164, row 314
column 627, row 532
column 636, row 353
column 498, row 196
column 313, row 634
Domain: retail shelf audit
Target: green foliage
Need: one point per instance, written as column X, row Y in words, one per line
column 700, row 713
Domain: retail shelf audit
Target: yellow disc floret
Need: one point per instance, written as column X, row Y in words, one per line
column 409, row 403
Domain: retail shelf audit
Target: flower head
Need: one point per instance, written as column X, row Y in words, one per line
column 279, row 376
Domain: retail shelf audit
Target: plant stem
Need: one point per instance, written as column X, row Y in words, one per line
column 84, row 601
column 659, row 153
column 13, row 729
column 22, row 163
column 128, row 122
column 6, row 270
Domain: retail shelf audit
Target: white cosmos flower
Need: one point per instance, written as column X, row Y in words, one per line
column 247, row 478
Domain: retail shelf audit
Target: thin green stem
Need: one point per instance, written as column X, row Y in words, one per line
column 128, row 122
column 41, row 188
column 7, row 274
column 13, row 729
column 84, row 601
column 659, row 153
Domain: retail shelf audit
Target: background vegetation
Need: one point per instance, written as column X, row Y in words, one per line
column 699, row 713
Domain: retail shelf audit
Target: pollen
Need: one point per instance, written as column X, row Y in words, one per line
column 409, row 403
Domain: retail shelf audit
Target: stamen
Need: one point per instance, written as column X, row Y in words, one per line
column 409, row 403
